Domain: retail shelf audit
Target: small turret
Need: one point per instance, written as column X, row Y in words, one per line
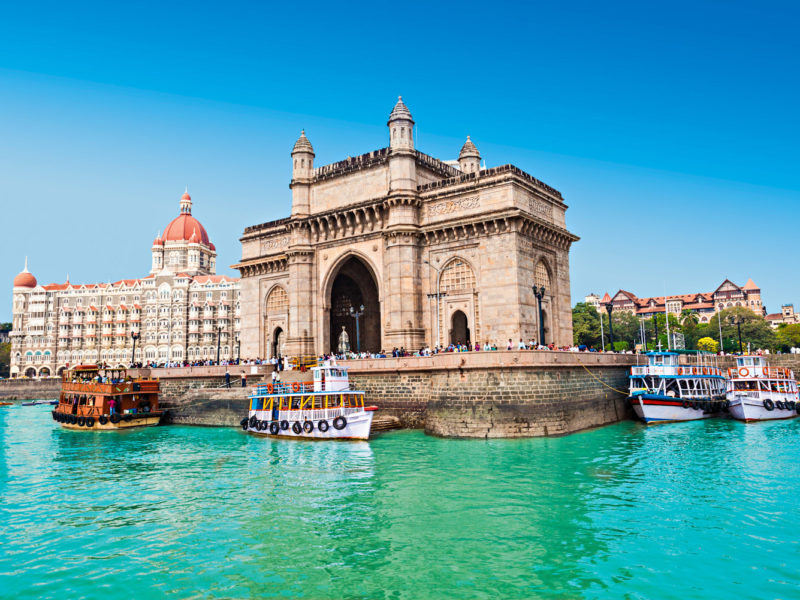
column 401, row 127
column 469, row 159
column 302, row 158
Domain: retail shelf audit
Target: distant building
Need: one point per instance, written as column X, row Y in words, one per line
column 704, row 304
column 593, row 300
column 4, row 335
column 787, row 316
column 182, row 310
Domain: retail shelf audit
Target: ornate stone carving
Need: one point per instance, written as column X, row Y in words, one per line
column 541, row 208
column 276, row 243
column 451, row 206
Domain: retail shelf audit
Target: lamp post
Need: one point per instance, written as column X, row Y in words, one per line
column 737, row 320
column 539, row 293
column 438, row 295
column 610, row 307
column 356, row 314
column 134, row 336
column 219, row 334
column 238, row 350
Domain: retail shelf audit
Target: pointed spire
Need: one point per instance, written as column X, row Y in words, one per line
column 25, row 270
column 400, row 112
column 303, row 144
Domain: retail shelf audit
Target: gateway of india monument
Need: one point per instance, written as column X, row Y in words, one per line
column 434, row 252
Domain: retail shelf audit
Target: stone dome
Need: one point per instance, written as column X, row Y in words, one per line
column 25, row 278
column 469, row 150
column 400, row 112
column 303, row 144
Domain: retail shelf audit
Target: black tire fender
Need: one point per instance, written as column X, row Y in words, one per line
column 115, row 418
column 284, row 425
column 90, row 421
column 323, row 426
column 103, row 419
column 780, row 405
column 686, row 403
column 274, row 428
column 81, row 421
column 297, row 428
column 308, row 426
column 339, row 423
column 769, row 404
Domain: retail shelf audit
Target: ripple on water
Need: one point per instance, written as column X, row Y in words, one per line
column 688, row 510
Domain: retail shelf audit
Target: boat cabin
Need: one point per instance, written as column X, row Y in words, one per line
column 90, row 390
column 750, row 361
column 330, row 378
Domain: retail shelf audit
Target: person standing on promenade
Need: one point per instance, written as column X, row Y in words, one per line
column 227, row 379
column 244, row 380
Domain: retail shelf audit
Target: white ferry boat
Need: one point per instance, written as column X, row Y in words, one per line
column 666, row 391
column 325, row 408
column 758, row 392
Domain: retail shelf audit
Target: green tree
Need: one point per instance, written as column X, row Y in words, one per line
column 755, row 330
column 788, row 336
column 626, row 328
column 5, row 359
column 708, row 344
column 585, row 325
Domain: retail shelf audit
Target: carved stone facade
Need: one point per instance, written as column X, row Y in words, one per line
column 390, row 230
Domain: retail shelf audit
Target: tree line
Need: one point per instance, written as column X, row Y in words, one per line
column 755, row 330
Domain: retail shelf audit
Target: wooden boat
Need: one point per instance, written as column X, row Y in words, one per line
column 94, row 398
column 758, row 392
column 323, row 409
column 666, row 391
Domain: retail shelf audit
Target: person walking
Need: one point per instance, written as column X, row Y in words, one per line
column 227, row 379
column 244, row 380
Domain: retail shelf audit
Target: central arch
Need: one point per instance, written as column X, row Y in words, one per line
column 459, row 332
column 354, row 285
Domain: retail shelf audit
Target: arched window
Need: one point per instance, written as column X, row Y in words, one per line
column 457, row 276
column 277, row 301
column 541, row 277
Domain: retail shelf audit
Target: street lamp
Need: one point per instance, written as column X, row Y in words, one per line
column 238, row 350
column 134, row 336
column 737, row 320
column 438, row 295
column 610, row 307
column 539, row 293
column 356, row 314
column 219, row 334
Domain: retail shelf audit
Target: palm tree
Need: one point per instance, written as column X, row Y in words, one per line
column 689, row 316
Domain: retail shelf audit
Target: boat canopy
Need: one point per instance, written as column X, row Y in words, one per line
column 750, row 361
column 330, row 377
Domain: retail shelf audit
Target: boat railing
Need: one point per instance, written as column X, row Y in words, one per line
column 760, row 372
column 297, row 387
column 316, row 414
column 675, row 370
column 93, row 387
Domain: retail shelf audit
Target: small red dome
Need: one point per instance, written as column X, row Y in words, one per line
column 212, row 246
column 25, row 279
column 186, row 196
column 182, row 227
column 158, row 241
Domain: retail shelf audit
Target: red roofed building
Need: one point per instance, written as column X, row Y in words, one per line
column 705, row 304
column 62, row 324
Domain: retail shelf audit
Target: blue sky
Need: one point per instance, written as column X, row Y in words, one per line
column 671, row 130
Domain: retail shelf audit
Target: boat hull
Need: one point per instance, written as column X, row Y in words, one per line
column 137, row 420
column 357, row 428
column 654, row 409
column 752, row 409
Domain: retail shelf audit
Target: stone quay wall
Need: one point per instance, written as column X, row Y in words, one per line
column 498, row 394
column 30, row 389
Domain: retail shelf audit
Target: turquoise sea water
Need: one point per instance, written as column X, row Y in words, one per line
column 697, row 510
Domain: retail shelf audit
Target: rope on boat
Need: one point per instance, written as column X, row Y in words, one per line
column 601, row 381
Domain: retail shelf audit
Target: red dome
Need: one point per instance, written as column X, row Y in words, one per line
column 186, row 196
column 182, row 227
column 25, row 279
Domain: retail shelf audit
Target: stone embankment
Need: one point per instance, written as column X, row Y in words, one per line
column 475, row 394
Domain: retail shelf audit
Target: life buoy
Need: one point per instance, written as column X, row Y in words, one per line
column 680, row 370
column 308, row 426
column 295, row 387
column 297, row 428
column 769, row 404
column 243, row 423
column 90, row 421
column 115, row 418
column 284, row 425
column 103, row 419
column 269, row 388
column 744, row 372
column 339, row 423
column 779, row 405
column 694, row 370
column 274, row 428
column 81, row 421
column 323, row 426
column 705, row 370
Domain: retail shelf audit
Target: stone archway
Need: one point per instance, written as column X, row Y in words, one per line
column 459, row 328
column 353, row 286
column 276, row 345
column 44, row 372
column 30, row 372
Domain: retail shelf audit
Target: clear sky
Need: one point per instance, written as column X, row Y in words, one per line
column 670, row 129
